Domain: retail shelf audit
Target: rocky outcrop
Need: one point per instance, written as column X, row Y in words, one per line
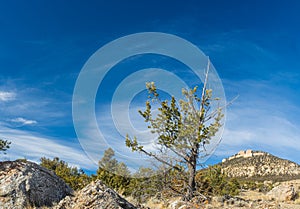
column 26, row 184
column 95, row 195
column 283, row 193
column 245, row 154
column 261, row 166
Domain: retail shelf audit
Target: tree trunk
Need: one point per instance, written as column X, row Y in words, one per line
column 191, row 177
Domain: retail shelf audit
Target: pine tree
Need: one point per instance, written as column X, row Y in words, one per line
column 113, row 173
column 182, row 130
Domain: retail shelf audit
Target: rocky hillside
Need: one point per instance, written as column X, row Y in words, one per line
column 25, row 184
column 258, row 165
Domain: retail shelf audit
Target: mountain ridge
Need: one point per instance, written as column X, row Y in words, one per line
column 259, row 165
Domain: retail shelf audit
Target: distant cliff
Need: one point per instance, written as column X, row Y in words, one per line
column 260, row 165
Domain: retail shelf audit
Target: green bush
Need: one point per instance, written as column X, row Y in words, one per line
column 212, row 181
column 114, row 174
column 144, row 184
column 74, row 177
column 256, row 185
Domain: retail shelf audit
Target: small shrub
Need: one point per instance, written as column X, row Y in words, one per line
column 74, row 177
column 212, row 181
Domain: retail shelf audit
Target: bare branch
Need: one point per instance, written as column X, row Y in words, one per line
column 215, row 112
column 160, row 160
column 204, row 85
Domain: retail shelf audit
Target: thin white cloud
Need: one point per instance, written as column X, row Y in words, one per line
column 261, row 119
column 33, row 103
column 32, row 146
column 270, row 134
column 7, row 96
column 23, row 121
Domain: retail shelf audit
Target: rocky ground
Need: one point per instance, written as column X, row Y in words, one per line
column 284, row 195
column 27, row 185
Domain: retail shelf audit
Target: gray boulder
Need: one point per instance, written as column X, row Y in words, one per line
column 96, row 195
column 283, row 193
column 26, row 184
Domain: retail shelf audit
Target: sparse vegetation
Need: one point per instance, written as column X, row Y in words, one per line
column 212, row 181
column 160, row 187
column 256, row 185
column 4, row 145
column 113, row 173
column 24, row 160
column 182, row 130
column 144, row 184
column 74, row 177
column 261, row 168
column 161, row 183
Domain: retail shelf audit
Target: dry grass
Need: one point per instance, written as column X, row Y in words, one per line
column 253, row 195
column 43, row 207
column 155, row 204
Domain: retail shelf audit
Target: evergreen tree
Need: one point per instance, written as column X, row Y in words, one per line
column 113, row 173
column 182, row 130
column 74, row 177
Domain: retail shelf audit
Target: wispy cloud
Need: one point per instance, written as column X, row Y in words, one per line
column 7, row 96
column 33, row 146
column 32, row 106
column 23, row 121
column 27, row 102
column 262, row 119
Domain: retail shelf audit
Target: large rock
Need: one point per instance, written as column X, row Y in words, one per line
column 283, row 193
column 96, row 195
column 26, row 184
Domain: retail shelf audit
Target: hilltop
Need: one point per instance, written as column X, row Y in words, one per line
column 259, row 165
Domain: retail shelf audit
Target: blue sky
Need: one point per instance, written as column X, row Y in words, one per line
column 254, row 46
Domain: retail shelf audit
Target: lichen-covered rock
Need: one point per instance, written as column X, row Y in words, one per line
column 283, row 193
column 26, row 184
column 95, row 195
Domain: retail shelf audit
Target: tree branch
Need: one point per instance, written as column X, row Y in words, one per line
column 159, row 159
